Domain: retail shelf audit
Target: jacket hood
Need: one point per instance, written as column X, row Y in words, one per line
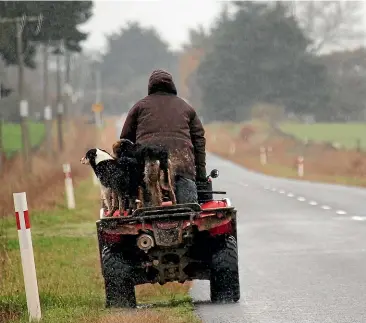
column 161, row 81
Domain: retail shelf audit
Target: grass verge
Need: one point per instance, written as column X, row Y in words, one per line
column 12, row 137
column 68, row 271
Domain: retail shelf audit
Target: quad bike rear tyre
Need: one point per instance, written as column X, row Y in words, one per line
column 119, row 285
column 224, row 279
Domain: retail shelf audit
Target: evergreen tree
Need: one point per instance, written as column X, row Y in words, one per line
column 260, row 55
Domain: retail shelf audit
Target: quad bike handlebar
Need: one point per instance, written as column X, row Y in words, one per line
column 214, row 174
column 204, row 189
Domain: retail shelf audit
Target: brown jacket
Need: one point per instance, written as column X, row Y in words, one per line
column 164, row 118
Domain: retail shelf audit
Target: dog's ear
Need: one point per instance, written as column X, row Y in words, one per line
column 116, row 146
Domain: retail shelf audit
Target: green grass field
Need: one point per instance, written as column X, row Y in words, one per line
column 12, row 139
column 344, row 134
column 68, row 270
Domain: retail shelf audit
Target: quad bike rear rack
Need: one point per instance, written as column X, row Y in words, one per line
column 211, row 192
column 177, row 212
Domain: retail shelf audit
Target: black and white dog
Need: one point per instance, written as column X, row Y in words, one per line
column 155, row 169
column 117, row 178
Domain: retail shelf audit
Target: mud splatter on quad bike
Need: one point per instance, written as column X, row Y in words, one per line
column 171, row 243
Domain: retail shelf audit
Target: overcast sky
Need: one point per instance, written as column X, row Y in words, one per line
column 171, row 18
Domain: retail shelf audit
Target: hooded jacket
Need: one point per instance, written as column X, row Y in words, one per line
column 164, row 118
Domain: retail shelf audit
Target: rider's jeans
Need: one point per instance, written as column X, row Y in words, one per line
column 185, row 190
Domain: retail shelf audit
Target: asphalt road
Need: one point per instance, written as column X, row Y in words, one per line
column 302, row 251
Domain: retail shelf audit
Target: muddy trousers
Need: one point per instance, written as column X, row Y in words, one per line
column 185, row 190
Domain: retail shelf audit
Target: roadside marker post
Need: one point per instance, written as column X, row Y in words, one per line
column 69, row 188
column 232, row 149
column 263, row 155
column 97, row 108
column 27, row 255
column 300, row 166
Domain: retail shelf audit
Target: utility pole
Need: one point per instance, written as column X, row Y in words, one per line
column 98, row 114
column 2, row 73
column 23, row 103
column 45, row 76
column 67, row 84
column 60, row 106
column 47, row 108
column 2, row 153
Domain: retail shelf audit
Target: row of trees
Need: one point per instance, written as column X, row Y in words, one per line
column 48, row 25
column 271, row 52
column 260, row 55
column 274, row 53
column 58, row 22
column 133, row 52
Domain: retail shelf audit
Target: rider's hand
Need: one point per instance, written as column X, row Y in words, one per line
column 200, row 178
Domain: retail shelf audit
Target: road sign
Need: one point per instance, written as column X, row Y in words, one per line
column 97, row 107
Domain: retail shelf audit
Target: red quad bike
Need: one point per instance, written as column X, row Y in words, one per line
column 171, row 243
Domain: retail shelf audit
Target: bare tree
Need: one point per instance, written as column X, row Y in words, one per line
column 331, row 24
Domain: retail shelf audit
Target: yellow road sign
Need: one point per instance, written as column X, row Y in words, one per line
column 97, row 107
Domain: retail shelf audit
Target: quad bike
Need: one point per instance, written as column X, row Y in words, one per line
column 171, row 243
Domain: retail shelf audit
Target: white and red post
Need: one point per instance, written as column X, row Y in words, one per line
column 232, row 148
column 27, row 256
column 69, row 188
column 263, row 155
column 300, row 166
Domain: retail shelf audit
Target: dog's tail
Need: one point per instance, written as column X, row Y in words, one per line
column 164, row 166
column 152, row 171
column 166, row 176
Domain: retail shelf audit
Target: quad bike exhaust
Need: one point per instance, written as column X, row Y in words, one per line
column 145, row 242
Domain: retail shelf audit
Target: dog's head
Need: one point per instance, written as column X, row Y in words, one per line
column 122, row 147
column 94, row 156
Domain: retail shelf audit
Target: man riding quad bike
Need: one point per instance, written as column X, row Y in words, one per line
column 195, row 239
column 164, row 118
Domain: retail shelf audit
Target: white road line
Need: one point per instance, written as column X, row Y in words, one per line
column 301, row 199
column 326, row 207
column 267, row 188
column 282, row 192
column 313, row 203
column 290, row 195
column 341, row 212
column 274, row 189
column 359, row 218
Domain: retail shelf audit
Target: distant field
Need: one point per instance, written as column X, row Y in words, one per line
column 233, row 128
column 12, row 139
column 345, row 134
